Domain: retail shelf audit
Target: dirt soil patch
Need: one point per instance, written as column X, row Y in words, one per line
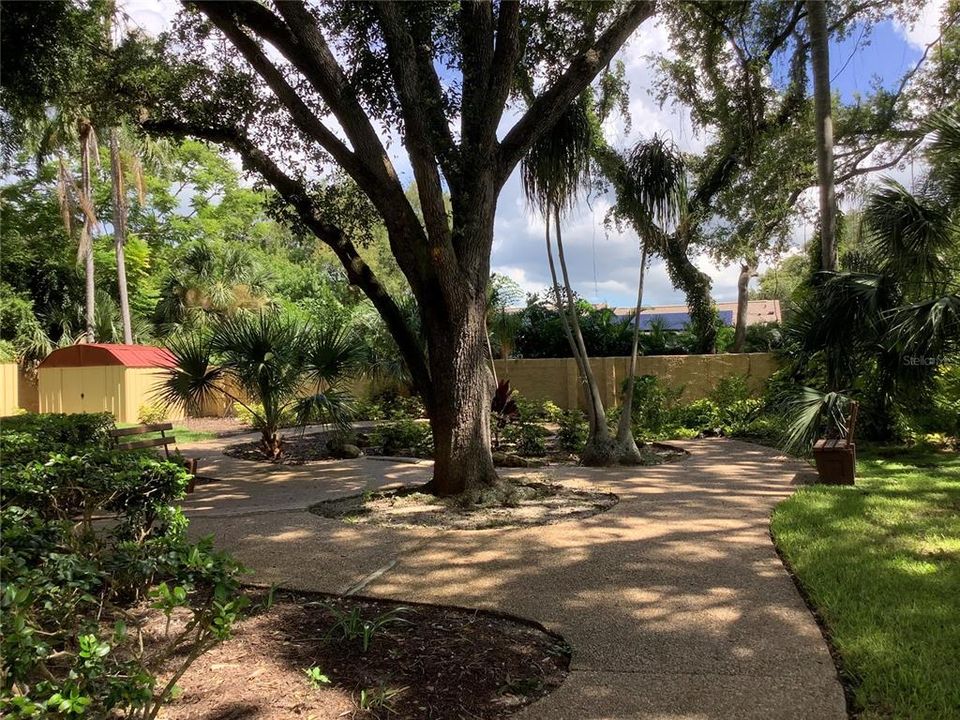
column 517, row 503
column 424, row 662
column 221, row 427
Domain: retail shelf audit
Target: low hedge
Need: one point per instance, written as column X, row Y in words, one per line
column 91, row 540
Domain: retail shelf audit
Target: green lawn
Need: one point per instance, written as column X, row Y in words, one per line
column 881, row 562
column 182, row 434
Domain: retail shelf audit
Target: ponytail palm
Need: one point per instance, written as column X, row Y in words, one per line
column 270, row 365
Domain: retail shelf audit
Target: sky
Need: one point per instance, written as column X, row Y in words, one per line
column 604, row 263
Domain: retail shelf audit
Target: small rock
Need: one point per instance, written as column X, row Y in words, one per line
column 349, row 451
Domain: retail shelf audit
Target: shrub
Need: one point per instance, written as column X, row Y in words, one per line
column 573, row 432
column 653, row 402
column 737, row 417
column 369, row 410
column 763, row 337
column 404, row 407
column 8, row 352
column 70, row 643
column 528, row 438
column 403, row 436
column 730, row 390
column 551, row 411
column 32, row 435
column 503, row 410
column 699, row 415
column 150, row 413
column 527, row 410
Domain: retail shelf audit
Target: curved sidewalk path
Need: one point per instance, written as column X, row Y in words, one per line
column 674, row 602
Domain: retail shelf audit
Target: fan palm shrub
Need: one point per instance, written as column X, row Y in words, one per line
column 878, row 329
column 269, row 364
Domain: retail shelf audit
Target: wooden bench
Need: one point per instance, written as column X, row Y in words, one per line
column 118, row 436
column 836, row 458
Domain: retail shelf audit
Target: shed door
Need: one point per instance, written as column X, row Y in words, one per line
column 72, row 393
column 94, row 390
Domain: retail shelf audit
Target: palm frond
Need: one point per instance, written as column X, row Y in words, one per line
column 810, row 413
column 928, row 328
column 329, row 407
column 329, row 355
column 909, row 234
column 557, row 165
column 195, row 379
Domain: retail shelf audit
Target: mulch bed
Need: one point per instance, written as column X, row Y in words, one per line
column 300, row 448
column 519, row 502
column 437, row 662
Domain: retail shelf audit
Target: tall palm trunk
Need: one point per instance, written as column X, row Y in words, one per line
column 120, row 233
column 599, row 449
column 629, row 452
column 747, row 271
column 565, row 321
column 85, row 249
column 820, row 62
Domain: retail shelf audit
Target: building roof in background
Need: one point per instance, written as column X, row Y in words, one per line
column 676, row 316
column 100, row 354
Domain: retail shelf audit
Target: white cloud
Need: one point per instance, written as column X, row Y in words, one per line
column 926, row 28
column 151, row 16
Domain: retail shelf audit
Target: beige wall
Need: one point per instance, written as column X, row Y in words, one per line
column 556, row 379
column 141, row 387
column 9, row 389
column 114, row 389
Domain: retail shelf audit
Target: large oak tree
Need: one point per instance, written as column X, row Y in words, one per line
column 296, row 88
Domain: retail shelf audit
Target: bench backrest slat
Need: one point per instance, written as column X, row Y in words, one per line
column 152, row 442
column 141, row 429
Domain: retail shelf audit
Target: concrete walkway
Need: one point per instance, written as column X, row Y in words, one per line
column 674, row 602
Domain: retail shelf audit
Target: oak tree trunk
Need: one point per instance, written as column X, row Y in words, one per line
column 462, row 390
column 820, row 62
column 747, row 271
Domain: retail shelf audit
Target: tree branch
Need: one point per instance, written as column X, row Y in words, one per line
column 297, row 196
column 550, row 105
column 418, row 106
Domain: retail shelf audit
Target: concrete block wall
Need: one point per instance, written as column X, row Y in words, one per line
column 557, row 379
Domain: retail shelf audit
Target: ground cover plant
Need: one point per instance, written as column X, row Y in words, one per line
column 880, row 562
column 90, row 541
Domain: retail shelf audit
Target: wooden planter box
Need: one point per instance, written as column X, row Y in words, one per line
column 836, row 461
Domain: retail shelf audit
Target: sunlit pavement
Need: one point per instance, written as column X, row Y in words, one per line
column 674, row 602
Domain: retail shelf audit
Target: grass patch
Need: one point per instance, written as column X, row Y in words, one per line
column 881, row 562
column 181, row 433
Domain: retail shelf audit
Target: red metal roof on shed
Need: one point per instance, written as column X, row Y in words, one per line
column 99, row 354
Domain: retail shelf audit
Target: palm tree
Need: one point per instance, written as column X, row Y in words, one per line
column 270, row 365
column 502, row 323
column 653, row 194
column 820, row 62
column 118, row 197
column 555, row 168
column 208, row 282
column 874, row 330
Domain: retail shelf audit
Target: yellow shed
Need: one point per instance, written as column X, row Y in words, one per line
column 118, row 379
column 9, row 389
